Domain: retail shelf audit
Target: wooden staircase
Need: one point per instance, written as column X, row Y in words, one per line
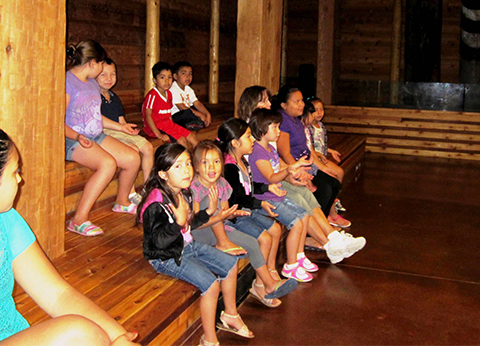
column 110, row 269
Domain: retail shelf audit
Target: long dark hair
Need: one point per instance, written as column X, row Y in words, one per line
column 283, row 96
column 6, row 148
column 231, row 129
column 249, row 100
column 165, row 157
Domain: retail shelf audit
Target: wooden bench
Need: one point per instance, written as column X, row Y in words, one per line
column 110, row 269
column 352, row 150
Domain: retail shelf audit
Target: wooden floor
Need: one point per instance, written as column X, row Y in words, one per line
column 417, row 281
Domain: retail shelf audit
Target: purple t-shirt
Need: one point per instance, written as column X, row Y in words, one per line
column 83, row 112
column 260, row 153
column 298, row 141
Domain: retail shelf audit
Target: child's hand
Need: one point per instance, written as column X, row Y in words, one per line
column 239, row 212
column 276, row 190
column 84, row 141
column 208, row 120
column 226, row 213
column 322, row 158
column 301, row 163
column 294, row 181
column 126, row 339
column 311, row 187
column 181, row 212
column 163, row 137
column 336, row 155
column 269, row 208
column 130, row 129
column 302, row 175
column 213, row 197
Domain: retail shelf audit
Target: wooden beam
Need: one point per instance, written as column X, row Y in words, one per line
column 259, row 36
column 32, row 95
column 396, row 51
column 152, row 41
column 326, row 32
column 283, row 68
column 214, row 45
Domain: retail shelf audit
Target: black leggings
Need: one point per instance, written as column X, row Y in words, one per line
column 327, row 190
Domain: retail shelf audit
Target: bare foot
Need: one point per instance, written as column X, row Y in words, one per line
column 231, row 249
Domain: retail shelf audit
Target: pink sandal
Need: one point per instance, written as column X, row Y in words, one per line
column 339, row 221
column 87, row 228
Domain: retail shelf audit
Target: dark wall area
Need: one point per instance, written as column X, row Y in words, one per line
column 184, row 35
column 364, row 39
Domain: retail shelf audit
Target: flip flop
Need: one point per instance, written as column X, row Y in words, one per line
column 234, row 249
column 282, row 290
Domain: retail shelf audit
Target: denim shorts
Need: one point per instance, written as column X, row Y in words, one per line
column 253, row 225
column 70, row 145
column 289, row 213
column 197, row 264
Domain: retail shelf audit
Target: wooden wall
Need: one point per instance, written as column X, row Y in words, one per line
column 184, row 30
column 32, row 98
column 364, row 39
column 410, row 132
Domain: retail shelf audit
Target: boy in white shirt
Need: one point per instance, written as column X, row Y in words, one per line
column 187, row 110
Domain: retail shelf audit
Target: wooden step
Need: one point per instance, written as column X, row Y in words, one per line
column 110, row 270
column 76, row 175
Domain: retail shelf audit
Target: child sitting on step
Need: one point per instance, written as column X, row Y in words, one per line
column 112, row 108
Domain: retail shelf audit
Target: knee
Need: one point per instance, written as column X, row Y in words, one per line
column 107, row 166
column 147, row 149
column 78, row 330
column 298, row 227
column 131, row 159
column 265, row 239
column 275, row 231
column 214, row 289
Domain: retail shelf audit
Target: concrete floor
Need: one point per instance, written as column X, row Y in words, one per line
column 417, row 281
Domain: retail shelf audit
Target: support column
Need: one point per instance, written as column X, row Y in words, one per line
column 259, row 40
column 152, row 41
column 283, row 69
column 325, row 48
column 214, row 45
column 396, row 51
column 32, row 95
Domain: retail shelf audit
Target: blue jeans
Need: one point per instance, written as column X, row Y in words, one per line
column 289, row 213
column 197, row 264
column 253, row 225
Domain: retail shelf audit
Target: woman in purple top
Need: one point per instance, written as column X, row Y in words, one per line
column 292, row 145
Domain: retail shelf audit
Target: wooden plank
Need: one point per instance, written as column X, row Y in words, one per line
column 401, row 113
column 424, row 153
column 431, row 145
column 403, row 123
column 398, row 132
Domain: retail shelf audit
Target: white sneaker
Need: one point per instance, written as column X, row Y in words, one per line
column 335, row 247
column 352, row 244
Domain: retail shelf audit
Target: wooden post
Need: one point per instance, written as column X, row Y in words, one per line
column 32, row 89
column 396, row 51
column 214, row 43
column 326, row 38
column 283, row 68
column 259, row 40
column 152, row 41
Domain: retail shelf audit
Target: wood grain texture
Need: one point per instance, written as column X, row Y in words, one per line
column 32, row 88
column 410, row 132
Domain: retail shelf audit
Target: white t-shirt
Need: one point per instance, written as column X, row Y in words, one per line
column 187, row 96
